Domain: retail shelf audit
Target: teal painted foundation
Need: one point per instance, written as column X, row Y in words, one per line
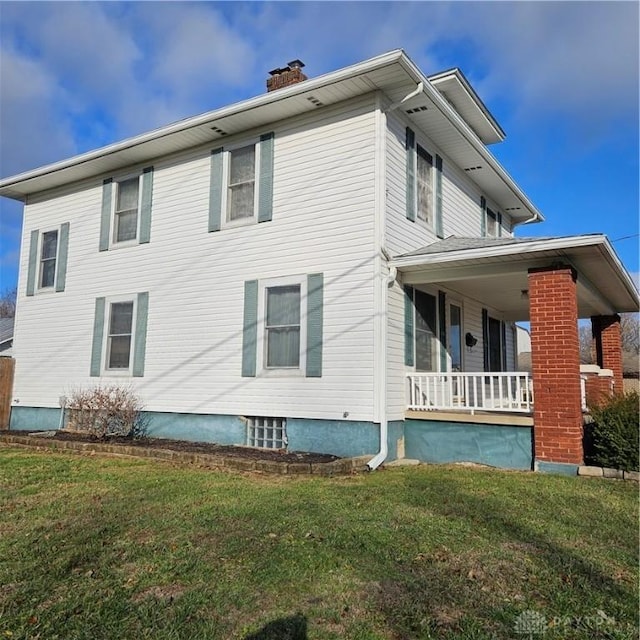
column 342, row 438
column 34, row 418
column 197, row 427
column 557, row 468
column 503, row 446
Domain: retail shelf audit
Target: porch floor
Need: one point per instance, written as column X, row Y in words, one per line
column 477, row 417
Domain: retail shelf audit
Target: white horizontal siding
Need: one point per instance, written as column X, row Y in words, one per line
column 323, row 222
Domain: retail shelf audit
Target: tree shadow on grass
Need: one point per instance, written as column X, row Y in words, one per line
column 291, row 628
column 480, row 592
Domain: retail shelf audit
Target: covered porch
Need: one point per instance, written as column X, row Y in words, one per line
column 464, row 295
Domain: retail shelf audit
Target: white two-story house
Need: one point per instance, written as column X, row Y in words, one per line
column 330, row 266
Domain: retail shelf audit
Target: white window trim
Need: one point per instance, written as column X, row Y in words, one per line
column 118, row 373
column 430, row 224
column 39, row 288
column 261, row 346
column 113, row 243
column 456, row 302
column 226, row 164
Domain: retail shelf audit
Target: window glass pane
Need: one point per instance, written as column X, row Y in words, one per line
column 49, row 244
column 241, row 201
column 48, row 273
column 119, row 349
column 492, row 223
column 242, row 165
column 283, row 347
column 455, row 333
column 424, row 185
column 121, row 318
column 126, row 226
column 425, row 331
column 127, row 195
column 283, row 306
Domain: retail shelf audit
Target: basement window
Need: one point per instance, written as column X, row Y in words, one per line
column 267, row 433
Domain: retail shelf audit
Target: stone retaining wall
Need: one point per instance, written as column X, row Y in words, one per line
column 343, row 466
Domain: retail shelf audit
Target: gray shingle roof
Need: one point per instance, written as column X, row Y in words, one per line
column 6, row 329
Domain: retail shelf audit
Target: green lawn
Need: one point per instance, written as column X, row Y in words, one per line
column 97, row 548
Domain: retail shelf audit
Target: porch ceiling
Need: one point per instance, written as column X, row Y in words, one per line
column 494, row 271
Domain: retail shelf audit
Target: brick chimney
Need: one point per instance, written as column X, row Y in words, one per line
column 291, row 74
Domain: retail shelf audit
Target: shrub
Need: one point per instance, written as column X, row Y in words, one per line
column 106, row 411
column 611, row 440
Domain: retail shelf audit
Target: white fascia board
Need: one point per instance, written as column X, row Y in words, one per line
column 205, row 118
column 472, row 138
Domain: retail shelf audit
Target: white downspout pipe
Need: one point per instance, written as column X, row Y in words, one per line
column 381, row 456
column 380, row 358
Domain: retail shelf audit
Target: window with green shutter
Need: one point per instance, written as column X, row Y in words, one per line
column 47, row 266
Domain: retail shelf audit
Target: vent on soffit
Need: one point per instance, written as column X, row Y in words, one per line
column 513, row 208
column 417, row 109
column 473, row 168
column 313, row 100
column 219, row 131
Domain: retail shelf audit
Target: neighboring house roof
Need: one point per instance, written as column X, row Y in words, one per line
column 463, row 137
column 6, row 331
column 499, row 268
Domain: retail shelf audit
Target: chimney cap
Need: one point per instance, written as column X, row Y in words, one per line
column 295, row 64
column 277, row 71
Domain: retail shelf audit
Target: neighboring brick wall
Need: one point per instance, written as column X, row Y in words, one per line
column 608, row 347
column 599, row 389
column 555, row 359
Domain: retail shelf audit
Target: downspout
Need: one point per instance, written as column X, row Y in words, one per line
column 380, row 358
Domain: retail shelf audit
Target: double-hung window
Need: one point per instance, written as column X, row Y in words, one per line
column 241, row 183
column 424, row 185
column 125, row 216
column 282, row 327
column 119, row 335
column 47, row 266
column 48, row 258
column 126, row 210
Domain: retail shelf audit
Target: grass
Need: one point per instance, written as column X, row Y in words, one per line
column 103, row 548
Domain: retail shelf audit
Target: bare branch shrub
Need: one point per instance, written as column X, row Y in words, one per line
column 106, row 411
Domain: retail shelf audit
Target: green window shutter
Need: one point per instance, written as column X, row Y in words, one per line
column 265, row 189
column 410, row 145
column 483, row 216
column 145, row 205
column 503, row 346
column 408, row 326
column 105, row 216
column 250, row 328
column 215, row 190
column 98, row 336
column 499, row 217
column 442, row 329
column 485, row 339
column 140, row 341
column 315, row 297
column 439, row 221
column 61, row 266
column 33, row 262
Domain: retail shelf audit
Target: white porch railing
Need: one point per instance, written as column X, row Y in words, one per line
column 512, row 391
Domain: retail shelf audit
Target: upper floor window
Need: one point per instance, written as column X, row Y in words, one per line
column 424, row 185
column 126, row 210
column 241, row 183
column 48, row 256
column 492, row 224
column 125, row 217
column 47, row 266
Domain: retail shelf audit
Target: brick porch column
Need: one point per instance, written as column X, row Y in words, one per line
column 608, row 346
column 555, row 359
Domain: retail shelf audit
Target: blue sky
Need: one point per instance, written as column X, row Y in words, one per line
column 560, row 77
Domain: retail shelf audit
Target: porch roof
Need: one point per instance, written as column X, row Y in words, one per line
column 494, row 271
